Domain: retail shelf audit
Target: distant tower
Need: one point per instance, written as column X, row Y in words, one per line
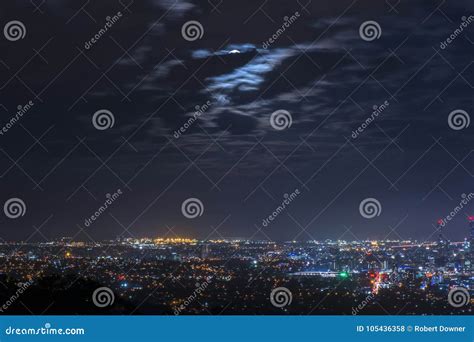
column 204, row 251
column 443, row 246
column 471, row 236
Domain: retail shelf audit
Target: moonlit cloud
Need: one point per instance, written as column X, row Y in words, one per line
column 319, row 70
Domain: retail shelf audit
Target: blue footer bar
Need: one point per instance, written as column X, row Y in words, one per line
column 236, row 328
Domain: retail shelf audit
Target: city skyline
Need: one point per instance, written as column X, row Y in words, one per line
column 190, row 277
column 439, row 229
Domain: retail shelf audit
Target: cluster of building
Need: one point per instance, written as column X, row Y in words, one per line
column 324, row 276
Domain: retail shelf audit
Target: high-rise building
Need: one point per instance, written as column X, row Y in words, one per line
column 205, row 251
column 442, row 246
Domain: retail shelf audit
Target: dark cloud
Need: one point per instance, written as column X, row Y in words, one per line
column 152, row 80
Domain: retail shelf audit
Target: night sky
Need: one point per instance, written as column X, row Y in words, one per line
column 320, row 70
